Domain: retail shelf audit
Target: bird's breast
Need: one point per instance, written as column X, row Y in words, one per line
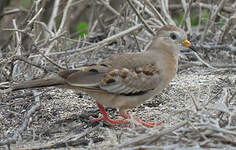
column 169, row 69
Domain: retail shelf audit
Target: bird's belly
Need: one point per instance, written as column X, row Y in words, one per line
column 120, row 101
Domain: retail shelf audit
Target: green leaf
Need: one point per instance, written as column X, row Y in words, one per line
column 82, row 28
column 205, row 16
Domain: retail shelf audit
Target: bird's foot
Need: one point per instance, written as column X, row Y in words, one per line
column 106, row 118
column 147, row 124
column 111, row 122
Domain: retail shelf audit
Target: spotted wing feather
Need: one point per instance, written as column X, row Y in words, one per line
column 119, row 75
column 130, row 81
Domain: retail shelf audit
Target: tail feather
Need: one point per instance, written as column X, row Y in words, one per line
column 53, row 81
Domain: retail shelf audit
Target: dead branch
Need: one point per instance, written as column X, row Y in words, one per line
column 151, row 138
column 141, row 18
column 25, row 123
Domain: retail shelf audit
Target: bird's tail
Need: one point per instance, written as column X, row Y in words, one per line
column 47, row 82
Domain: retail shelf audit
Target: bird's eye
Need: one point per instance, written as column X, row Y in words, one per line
column 173, row 36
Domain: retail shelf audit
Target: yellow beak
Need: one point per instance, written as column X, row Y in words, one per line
column 188, row 44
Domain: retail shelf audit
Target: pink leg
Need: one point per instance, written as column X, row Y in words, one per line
column 147, row 124
column 106, row 118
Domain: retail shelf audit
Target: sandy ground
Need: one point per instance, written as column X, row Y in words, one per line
column 65, row 114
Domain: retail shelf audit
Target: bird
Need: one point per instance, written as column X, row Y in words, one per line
column 126, row 80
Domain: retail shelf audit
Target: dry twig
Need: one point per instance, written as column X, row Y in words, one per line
column 141, row 18
column 24, row 125
column 151, row 138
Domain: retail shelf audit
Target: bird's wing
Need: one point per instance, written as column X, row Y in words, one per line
column 120, row 74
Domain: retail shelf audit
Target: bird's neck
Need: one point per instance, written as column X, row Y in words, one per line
column 162, row 46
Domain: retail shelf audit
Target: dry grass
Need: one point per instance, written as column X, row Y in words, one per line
column 197, row 108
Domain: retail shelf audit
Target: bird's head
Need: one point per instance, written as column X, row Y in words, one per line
column 174, row 36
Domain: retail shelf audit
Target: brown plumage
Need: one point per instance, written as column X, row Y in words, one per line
column 126, row 80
